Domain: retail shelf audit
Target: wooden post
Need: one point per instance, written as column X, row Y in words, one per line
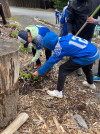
column 9, row 73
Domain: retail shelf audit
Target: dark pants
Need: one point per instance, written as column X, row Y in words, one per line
column 2, row 14
column 99, row 69
column 70, row 66
column 47, row 53
column 57, row 20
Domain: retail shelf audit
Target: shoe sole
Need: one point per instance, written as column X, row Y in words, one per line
column 96, row 80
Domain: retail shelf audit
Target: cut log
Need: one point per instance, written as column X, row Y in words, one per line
column 9, row 73
column 20, row 120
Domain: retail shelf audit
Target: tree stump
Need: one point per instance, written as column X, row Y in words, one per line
column 9, row 73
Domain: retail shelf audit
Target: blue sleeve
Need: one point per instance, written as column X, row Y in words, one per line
column 62, row 20
column 48, row 64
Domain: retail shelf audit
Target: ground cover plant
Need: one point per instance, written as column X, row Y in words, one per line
column 26, row 75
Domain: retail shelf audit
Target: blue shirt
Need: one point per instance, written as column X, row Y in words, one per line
column 41, row 33
column 57, row 14
column 81, row 51
column 63, row 22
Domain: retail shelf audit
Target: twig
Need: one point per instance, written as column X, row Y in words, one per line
column 59, row 127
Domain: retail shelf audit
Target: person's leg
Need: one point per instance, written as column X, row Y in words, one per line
column 56, row 20
column 89, row 76
column 64, row 70
column 34, row 51
column 97, row 77
column 2, row 15
column 47, row 53
column 99, row 68
column 88, row 73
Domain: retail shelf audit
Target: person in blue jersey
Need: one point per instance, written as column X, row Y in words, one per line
column 83, row 55
column 57, row 14
column 63, row 22
column 34, row 34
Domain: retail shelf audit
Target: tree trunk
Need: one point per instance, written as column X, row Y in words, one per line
column 9, row 73
column 6, row 9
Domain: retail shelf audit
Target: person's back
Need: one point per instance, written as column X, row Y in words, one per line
column 79, row 11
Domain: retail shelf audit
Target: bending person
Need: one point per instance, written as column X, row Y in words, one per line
column 83, row 55
column 34, row 34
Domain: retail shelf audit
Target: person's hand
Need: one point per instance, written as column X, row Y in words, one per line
column 60, row 35
column 94, row 62
column 32, row 64
column 69, row 33
column 90, row 20
column 35, row 73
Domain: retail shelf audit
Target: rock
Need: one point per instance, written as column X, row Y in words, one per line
column 78, row 120
column 49, row 105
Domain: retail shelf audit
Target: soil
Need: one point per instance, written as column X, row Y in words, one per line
column 43, row 109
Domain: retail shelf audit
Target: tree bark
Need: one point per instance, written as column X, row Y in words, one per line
column 9, row 73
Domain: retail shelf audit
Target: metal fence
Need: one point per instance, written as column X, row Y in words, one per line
column 26, row 3
column 6, row 9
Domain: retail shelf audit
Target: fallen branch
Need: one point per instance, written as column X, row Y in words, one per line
column 20, row 120
column 59, row 127
column 41, row 118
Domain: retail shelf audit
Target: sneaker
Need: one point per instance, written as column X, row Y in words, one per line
column 55, row 93
column 96, row 78
column 92, row 86
column 37, row 66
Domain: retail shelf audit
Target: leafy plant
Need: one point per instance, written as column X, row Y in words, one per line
column 26, row 75
column 14, row 30
column 23, row 49
column 14, row 18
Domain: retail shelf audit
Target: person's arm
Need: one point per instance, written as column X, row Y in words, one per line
column 61, row 29
column 56, row 56
column 37, row 55
column 97, row 22
column 62, row 21
column 94, row 21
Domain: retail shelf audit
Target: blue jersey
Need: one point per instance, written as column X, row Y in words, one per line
column 57, row 14
column 63, row 21
column 41, row 33
column 81, row 51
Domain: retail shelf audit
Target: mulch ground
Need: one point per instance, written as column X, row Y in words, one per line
column 49, row 115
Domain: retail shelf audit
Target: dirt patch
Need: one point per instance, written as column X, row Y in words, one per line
column 42, row 109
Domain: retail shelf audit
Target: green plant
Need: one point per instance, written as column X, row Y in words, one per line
column 22, row 49
column 14, row 18
column 14, row 33
column 94, row 35
column 14, row 30
column 26, row 75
